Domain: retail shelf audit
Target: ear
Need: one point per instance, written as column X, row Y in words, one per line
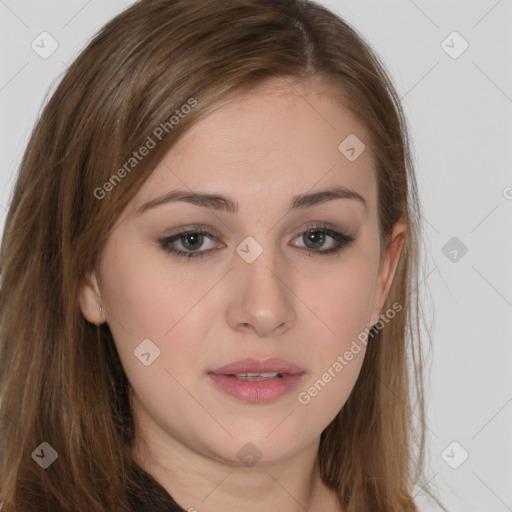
column 387, row 269
column 90, row 300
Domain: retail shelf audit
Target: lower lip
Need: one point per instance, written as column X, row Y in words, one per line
column 256, row 392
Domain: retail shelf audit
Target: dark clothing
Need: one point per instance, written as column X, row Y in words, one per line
column 154, row 498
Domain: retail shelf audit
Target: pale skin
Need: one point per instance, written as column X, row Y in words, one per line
column 260, row 150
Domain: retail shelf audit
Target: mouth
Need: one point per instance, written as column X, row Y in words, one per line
column 256, row 381
column 255, row 367
column 256, row 377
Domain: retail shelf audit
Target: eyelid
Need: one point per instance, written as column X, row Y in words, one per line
column 193, row 228
column 310, row 226
column 198, row 228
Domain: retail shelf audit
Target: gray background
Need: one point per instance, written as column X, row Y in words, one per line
column 460, row 115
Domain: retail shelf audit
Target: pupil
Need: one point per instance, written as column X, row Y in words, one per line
column 196, row 239
column 317, row 237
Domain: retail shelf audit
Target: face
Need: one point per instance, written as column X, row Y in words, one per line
column 272, row 274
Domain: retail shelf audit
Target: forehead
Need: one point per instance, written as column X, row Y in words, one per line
column 282, row 136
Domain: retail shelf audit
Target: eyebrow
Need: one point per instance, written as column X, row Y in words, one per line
column 225, row 203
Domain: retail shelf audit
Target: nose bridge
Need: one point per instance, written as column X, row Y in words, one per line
column 262, row 297
column 258, row 267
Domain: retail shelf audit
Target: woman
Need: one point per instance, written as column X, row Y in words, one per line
column 209, row 271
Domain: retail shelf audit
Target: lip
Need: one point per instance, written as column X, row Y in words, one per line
column 263, row 391
column 257, row 366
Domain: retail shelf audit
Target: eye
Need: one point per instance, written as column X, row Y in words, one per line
column 192, row 242
column 315, row 237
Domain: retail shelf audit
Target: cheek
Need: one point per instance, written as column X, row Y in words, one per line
column 144, row 296
column 344, row 307
column 324, row 395
column 149, row 299
column 341, row 297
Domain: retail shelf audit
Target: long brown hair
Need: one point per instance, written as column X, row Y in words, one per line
column 61, row 381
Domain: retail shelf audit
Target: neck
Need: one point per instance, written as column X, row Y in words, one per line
column 199, row 482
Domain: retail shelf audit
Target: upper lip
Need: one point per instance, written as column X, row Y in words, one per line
column 257, row 366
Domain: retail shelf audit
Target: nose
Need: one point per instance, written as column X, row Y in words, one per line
column 261, row 299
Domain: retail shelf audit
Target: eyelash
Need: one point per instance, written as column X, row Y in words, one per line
column 342, row 240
